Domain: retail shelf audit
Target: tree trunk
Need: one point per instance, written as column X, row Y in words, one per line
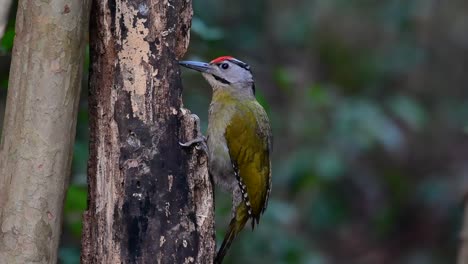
column 150, row 200
column 39, row 129
column 4, row 12
column 463, row 250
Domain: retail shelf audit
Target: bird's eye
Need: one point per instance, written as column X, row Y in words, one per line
column 224, row 66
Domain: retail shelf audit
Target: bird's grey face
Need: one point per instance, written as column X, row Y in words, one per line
column 224, row 72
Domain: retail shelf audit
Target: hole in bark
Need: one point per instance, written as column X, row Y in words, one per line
column 138, row 184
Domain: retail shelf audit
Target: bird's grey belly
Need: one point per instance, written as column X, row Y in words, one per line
column 220, row 165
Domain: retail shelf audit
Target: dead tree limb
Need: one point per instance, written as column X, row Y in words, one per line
column 150, row 200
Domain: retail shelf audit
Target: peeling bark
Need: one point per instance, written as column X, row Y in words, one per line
column 150, row 200
column 39, row 127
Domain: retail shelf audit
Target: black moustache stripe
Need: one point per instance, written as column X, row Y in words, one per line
column 219, row 79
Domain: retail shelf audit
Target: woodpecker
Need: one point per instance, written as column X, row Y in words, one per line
column 239, row 142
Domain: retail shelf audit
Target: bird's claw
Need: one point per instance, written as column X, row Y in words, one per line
column 201, row 140
column 197, row 140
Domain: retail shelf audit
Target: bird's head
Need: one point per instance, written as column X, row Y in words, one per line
column 225, row 72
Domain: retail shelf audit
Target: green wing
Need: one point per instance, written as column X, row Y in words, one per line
column 248, row 137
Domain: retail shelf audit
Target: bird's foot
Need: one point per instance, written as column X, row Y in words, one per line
column 199, row 141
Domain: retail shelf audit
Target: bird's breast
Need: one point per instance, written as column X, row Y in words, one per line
column 220, row 165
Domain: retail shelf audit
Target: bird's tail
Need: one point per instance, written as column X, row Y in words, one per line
column 236, row 225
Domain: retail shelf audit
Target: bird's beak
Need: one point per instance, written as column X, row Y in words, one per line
column 196, row 65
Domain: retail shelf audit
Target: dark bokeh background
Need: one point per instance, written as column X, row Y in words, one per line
column 368, row 102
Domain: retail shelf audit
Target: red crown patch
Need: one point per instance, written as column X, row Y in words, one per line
column 222, row 58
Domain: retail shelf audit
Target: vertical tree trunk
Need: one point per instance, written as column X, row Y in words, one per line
column 4, row 12
column 150, row 200
column 39, row 129
column 463, row 250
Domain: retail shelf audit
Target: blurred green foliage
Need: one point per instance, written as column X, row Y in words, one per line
column 368, row 102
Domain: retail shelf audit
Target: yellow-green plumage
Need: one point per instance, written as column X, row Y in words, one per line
column 247, row 136
column 238, row 140
column 235, row 226
column 241, row 128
